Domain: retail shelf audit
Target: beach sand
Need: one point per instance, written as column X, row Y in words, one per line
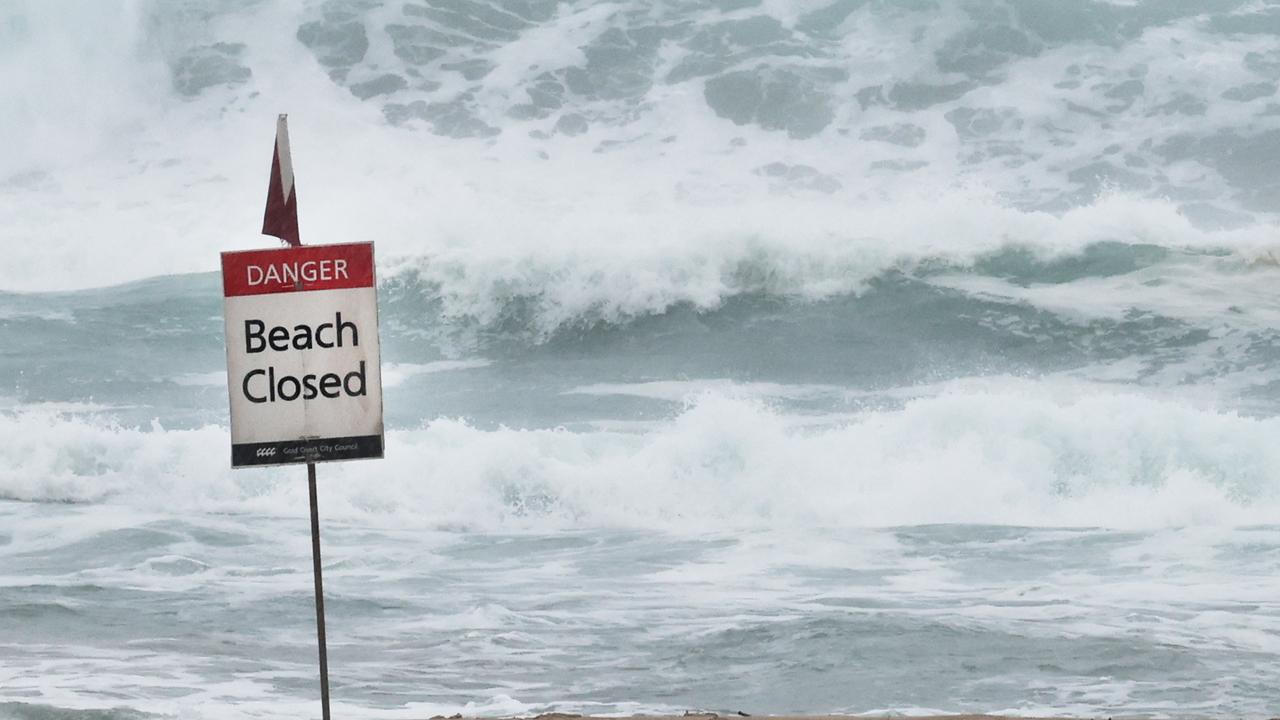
column 739, row 715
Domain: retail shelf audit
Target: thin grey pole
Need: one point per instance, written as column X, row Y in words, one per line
column 315, row 562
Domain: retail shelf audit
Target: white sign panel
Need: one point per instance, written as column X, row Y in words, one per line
column 302, row 354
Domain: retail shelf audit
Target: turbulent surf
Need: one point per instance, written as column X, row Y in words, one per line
column 814, row 356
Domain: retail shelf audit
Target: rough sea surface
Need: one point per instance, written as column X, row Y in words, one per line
column 778, row 356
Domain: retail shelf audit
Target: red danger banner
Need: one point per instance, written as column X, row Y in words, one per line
column 297, row 269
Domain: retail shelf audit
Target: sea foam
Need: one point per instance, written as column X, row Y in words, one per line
column 996, row 452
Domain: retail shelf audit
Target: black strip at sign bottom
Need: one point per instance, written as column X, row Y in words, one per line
column 283, row 452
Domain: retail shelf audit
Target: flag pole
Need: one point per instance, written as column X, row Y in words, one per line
column 281, row 220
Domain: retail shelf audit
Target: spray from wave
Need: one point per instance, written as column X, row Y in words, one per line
column 641, row 151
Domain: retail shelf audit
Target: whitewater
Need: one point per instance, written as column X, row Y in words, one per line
column 808, row 356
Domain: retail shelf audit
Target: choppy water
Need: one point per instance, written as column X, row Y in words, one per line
column 797, row 356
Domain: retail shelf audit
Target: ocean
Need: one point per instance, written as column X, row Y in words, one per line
column 808, row 356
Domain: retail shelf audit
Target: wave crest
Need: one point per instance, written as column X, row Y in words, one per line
column 578, row 273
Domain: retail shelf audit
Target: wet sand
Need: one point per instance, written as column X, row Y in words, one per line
column 739, row 715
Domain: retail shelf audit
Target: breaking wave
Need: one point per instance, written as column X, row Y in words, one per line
column 1001, row 451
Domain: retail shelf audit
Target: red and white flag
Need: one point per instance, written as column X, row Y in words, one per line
column 281, row 217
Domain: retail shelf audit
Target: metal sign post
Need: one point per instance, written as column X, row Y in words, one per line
column 315, row 563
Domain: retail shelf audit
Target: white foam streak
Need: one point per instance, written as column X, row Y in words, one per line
column 395, row 374
column 686, row 390
column 1234, row 291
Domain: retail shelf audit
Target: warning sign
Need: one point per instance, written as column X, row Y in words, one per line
column 302, row 354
